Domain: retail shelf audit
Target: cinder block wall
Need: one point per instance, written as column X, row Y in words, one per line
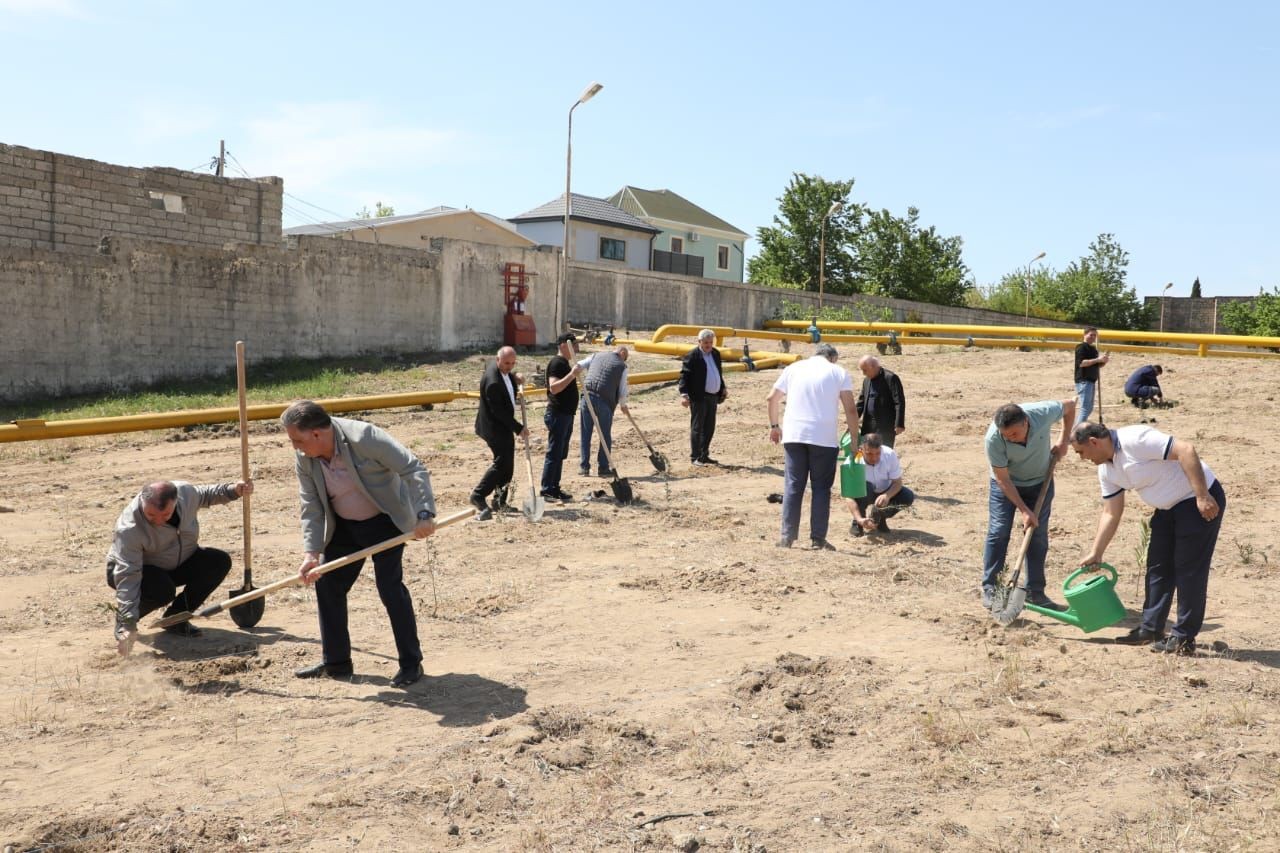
column 1184, row 314
column 55, row 201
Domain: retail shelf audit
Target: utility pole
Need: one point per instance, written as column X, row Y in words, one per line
column 222, row 156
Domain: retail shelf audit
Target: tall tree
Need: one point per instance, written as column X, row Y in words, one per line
column 1092, row 289
column 1261, row 318
column 1195, row 288
column 898, row 258
column 789, row 249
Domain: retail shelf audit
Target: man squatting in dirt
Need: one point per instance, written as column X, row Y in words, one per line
column 814, row 389
column 1189, row 501
column 155, row 550
column 358, row 487
column 885, row 493
column 1019, row 450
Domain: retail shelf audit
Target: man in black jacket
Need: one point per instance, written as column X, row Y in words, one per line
column 701, row 391
column 881, row 403
column 496, row 423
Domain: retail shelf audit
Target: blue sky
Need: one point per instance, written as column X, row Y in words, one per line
column 1020, row 127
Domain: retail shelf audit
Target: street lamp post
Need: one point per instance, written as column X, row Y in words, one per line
column 836, row 207
column 1028, row 284
column 561, row 290
column 1162, row 301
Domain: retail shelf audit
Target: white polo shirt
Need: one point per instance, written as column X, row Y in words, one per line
column 882, row 474
column 1141, row 463
column 813, row 387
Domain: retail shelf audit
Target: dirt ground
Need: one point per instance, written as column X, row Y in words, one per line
column 658, row 676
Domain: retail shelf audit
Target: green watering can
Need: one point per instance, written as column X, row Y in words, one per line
column 1090, row 605
column 853, row 474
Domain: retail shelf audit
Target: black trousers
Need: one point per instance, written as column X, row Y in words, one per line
column 702, row 425
column 331, row 590
column 199, row 575
column 1178, row 558
column 502, row 468
column 885, row 429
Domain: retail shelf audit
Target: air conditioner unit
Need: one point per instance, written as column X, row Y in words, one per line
column 694, row 236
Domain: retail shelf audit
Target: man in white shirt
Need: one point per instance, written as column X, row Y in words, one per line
column 1189, row 501
column 885, row 493
column 814, row 389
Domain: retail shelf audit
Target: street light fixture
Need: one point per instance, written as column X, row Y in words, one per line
column 836, row 207
column 1162, row 301
column 1028, row 284
column 561, row 290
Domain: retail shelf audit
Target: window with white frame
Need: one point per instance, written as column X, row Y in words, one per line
column 677, row 245
column 613, row 250
column 722, row 257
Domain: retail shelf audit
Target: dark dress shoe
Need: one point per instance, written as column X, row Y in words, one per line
column 485, row 514
column 1138, row 637
column 1175, row 645
column 325, row 670
column 405, row 677
column 184, row 629
column 1039, row 599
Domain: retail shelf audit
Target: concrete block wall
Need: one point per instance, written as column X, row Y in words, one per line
column 1184, row 314
column 55, row 201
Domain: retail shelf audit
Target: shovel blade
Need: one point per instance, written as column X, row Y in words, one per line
column 250, row 613
column 659, row 461
column 622, row 490
column 175, row 619
column 1006, row 610
column 533, row 508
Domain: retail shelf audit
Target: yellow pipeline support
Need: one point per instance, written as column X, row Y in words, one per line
column 724, row 332
column 1201, row 342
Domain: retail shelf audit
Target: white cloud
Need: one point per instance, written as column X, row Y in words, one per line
column 326, row 145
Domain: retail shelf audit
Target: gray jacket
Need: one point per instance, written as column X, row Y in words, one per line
column 137, row 541
column 387, row 473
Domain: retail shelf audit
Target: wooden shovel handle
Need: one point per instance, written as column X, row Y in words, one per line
column 643, row 437
column 325, row 568
column 1028, row 532
column 244, row 460
column 528, row 454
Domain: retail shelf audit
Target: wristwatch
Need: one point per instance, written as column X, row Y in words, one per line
column 423, row 515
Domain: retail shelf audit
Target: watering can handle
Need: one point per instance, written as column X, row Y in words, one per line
column 1102, row 567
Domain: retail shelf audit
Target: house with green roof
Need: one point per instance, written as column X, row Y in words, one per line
column 690, row 240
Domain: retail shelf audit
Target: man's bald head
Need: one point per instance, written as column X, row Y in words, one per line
column 869, row 365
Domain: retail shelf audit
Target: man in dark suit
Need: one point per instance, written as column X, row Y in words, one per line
column 701, row 391
column 881, row 403
column 496, row 423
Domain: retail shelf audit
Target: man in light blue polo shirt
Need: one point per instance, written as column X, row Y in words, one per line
column 1019, row 447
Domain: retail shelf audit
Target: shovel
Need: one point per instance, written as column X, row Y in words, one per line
column 535, row 505
column 1010, row 599
column 659, row 461
column 249, row 614
column 323, row 568
column 621, row 488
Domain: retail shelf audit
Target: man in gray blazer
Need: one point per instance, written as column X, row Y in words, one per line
column 359, row 486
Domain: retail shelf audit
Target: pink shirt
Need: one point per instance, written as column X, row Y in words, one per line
column 346, row 496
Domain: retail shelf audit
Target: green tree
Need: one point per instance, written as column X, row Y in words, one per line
column 380, row 210
column 1092, row 289
column 1195, row 288
column 1009, row 295
column 1259, row 319
column 789, row 248
column 898, row 258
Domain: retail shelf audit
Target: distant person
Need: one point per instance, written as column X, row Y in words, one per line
column 1143, row 385
column 881, row 403
column 886, row 495
column 1167, row 474
column 562, row 408
column 155, row 549
column 496, row 423
column 701, row 392
column 606, row 387
column 1088, row 370
column 1019, row 448
column 815, row 389
column 358, row 487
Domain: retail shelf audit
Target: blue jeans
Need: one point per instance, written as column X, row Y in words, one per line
column 605, row 413
column 815, row 465
column 1085, row 391
column 559, row 431
column 1001, row 514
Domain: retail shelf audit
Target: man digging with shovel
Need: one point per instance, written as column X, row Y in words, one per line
column 1019, row 450
column 155, row 550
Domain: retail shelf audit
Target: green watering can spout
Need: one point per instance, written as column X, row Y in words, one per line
column 1090, row 605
